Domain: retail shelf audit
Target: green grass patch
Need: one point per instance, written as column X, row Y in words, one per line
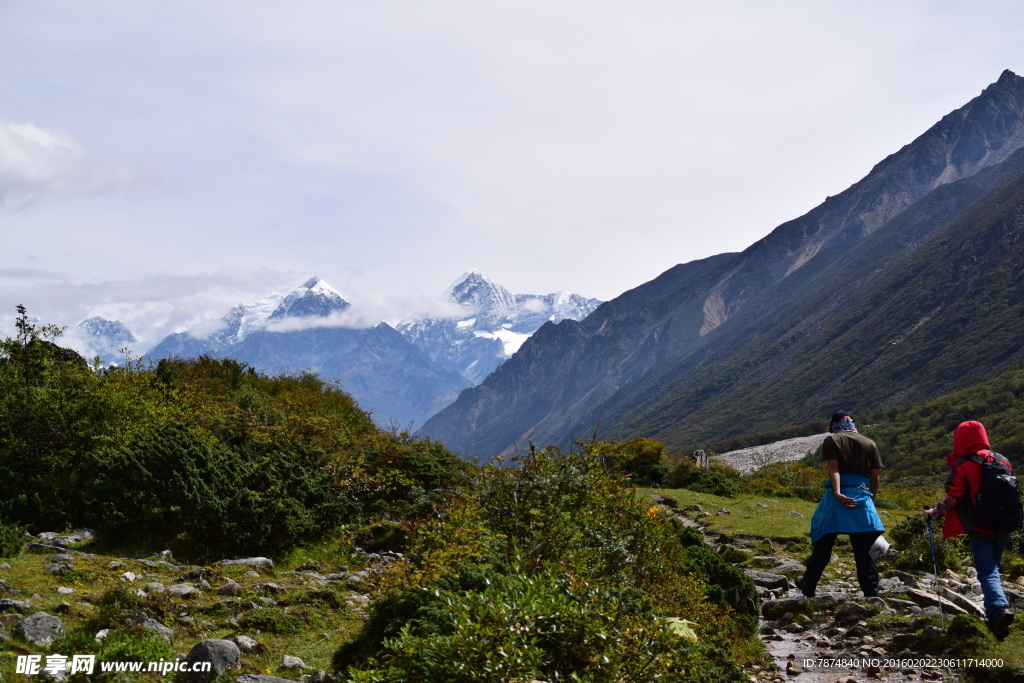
column 752, row 515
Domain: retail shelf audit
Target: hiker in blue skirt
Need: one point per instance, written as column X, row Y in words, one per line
column 847, row 505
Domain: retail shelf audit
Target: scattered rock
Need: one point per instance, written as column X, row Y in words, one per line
column 246, row 644
column 183, row 590
column 851, row 612
column 41, row 628
column 230, row 588
column 223, row 656
column 259, row 562
column 767, row 579
column 290, row 663
column 19, row 606
column 150, row 624
column 924, row 599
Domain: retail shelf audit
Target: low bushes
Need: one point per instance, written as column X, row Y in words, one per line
column 911, row 537
column 224, row 501
column 12, row 538
column 785, row 479
column 716, row 479
column 205, row 456
column 551, row 570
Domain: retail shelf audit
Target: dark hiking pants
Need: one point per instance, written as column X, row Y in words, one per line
column 867, row 575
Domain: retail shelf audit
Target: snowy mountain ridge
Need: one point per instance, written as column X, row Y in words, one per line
column 405, row 375
column 495, row 324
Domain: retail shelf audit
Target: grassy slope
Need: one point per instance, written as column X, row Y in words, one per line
column 325, row 615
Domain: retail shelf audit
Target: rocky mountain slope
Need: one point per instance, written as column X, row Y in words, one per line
column 903, row 286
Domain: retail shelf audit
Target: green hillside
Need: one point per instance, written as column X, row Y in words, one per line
column 380, row 556
column 922, row 306
column 916, row 437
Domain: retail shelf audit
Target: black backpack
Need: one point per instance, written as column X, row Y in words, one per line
column 997, row 503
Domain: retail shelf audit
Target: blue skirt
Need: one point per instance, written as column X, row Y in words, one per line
column 832, row 518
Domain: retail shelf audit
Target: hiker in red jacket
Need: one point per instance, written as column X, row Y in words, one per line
column 987, row 546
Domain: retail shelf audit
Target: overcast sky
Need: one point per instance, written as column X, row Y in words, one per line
column 162, row 161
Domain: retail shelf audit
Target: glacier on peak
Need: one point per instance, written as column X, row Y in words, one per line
column 493, row 325
column 98, row 336
column 314, row 298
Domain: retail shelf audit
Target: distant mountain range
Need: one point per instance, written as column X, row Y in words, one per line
column 402, row 377
column 493, row 325
column 904, row 286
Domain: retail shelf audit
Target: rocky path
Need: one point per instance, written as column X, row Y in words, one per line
column 839, row 635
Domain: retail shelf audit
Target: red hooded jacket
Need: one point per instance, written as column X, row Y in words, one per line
column 969, row 437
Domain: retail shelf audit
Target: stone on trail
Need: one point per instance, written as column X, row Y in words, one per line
column 767, row 579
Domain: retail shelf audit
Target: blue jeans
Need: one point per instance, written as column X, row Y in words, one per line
column 988, row 553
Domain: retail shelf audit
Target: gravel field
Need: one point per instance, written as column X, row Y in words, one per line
column 750, row 459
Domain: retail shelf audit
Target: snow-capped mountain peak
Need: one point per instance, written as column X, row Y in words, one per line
column 479, row 295
column 495, row 323
column 313, row 298
column 104, row 338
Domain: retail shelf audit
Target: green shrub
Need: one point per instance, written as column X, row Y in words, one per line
column 679, row 475
column 401, row 477
column 910, row 538
column 727, row 586
column 383, row 536
column 119, row 602
column 717, row 479
column 707, row 480
column 520, row 627
column 272, row 620
column 226, row 501
column 134, row 645
column 12, row 539
column 648, row 475
column 552, row 570
column 644, row 461
column 785, row 479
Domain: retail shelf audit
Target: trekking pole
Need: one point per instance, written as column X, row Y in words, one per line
column 935, row 569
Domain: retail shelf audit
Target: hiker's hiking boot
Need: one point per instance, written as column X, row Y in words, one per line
column 1000, row 623
column 804, row 588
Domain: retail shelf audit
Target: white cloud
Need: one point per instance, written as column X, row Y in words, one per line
column 556, row 144
column 35, row 162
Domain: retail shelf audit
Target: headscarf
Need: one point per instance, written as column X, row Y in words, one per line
column 841, row 422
